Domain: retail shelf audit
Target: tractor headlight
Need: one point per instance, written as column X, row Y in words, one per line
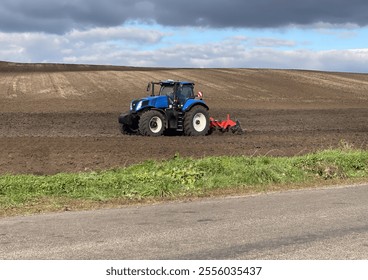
column 135, row 105
column 139, row 106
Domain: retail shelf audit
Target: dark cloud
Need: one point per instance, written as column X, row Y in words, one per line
column 63, row 15
column 262, row 13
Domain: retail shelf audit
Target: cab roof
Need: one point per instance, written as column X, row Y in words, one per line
column 171, row 82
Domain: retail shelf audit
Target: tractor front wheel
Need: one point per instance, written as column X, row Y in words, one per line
column 196, row 121
column 152, row 123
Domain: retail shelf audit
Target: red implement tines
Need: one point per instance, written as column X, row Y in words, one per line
column 222, row 124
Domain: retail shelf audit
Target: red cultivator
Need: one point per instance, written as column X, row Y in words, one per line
column 226, row 126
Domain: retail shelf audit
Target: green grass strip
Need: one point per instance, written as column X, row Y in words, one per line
column 179, row 176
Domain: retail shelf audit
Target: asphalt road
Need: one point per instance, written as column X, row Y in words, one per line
column 328, row 223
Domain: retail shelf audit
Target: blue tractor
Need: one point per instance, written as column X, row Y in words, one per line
column 174, row 107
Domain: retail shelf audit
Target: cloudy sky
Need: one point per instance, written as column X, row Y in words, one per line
column 327, row 35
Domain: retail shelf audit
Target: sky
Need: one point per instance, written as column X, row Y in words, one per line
column 328, row 35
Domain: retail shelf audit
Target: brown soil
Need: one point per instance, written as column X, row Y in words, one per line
column 63, row 118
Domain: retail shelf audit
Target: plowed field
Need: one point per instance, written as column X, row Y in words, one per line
column 63, row 118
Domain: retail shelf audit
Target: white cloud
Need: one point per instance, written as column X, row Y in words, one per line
column 123, row 46
column 130, row 34
column 272, row 42
column 329, row 26
column 36, row 47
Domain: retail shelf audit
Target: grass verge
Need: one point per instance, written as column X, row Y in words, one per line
column 178, row 178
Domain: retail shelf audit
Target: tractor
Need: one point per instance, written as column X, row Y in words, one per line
column 174, row 108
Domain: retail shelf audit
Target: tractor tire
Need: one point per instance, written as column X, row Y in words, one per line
column 151, row 123
column 197, row 122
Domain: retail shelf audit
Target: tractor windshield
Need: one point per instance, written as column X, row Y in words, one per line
column 167, row 90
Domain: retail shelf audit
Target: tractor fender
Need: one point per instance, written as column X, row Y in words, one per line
column 154, row 109
column 149, row 108
column 193, row 102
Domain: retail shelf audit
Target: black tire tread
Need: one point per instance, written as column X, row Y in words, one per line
column 188, row 121
column 143, row 125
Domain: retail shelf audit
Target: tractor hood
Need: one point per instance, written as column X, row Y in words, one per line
column 160, row 102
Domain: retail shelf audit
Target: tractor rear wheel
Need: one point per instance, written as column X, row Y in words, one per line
column 152, row 123
column 196, row 121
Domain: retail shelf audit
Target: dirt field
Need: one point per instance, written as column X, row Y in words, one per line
column 63, row 118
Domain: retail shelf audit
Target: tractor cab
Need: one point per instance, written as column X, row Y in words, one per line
column 178, row 92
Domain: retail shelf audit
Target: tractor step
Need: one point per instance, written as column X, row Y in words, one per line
column 180, row 123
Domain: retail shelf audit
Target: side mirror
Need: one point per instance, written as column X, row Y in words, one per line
column 200, row 95
column 149, row 87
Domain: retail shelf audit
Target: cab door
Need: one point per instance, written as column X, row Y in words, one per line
column 184, row 93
